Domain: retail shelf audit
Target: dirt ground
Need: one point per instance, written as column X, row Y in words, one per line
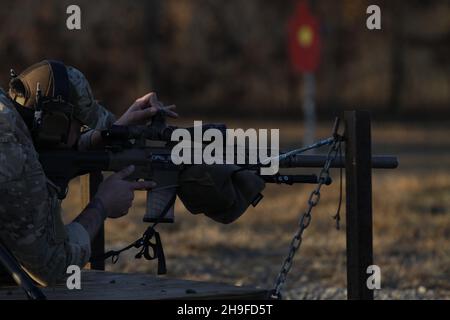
column 411, row 225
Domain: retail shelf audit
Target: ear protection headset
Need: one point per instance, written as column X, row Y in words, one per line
column 41, row 95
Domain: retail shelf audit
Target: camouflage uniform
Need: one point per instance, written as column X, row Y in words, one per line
column 88, row 111
column 30, row 213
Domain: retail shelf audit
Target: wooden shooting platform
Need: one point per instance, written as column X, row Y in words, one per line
column 101, row 285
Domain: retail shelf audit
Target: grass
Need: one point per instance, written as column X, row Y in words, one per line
column 411, row 223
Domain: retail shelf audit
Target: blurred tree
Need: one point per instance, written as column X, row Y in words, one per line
column 153, row 16
column 230, row 56
column 397, row 57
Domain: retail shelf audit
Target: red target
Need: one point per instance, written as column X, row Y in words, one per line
column 304, row 39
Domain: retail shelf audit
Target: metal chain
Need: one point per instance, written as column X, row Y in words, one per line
column 305, row 218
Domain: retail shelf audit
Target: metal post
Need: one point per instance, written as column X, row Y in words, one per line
column 98, row 244
column 358, row 173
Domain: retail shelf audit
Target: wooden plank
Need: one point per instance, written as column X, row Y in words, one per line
column 99, row 285
column 358, row 172
column 84, row 190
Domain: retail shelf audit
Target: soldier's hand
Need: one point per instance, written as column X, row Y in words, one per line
column 143, row 109
column 117, row 194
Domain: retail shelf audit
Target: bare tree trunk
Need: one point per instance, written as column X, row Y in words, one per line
column 153, row 14
column 397, row 54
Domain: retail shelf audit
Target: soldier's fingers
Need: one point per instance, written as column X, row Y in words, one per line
column 143, row 102
column 145, row 113
column 124, row 213
column 146, row 99
column 170, row 108
column 123, row 173
column 169, row 111
column 153, row 100
column 142, row 185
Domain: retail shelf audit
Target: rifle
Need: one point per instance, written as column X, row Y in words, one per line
column 16, row 272
column 148, row 148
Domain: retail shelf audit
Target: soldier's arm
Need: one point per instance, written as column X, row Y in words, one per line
column 92, row 218
column 113, row 199
column 139, row 113
column 96, row 116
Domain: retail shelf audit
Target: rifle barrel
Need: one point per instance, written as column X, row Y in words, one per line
column 317, row 161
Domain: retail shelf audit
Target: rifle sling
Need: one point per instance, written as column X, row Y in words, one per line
column 145, row 244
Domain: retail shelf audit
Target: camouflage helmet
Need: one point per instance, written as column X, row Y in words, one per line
column 56, row 79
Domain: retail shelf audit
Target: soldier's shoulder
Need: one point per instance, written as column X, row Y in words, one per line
column 4, row 100
column 76, row 78
column 7, row 113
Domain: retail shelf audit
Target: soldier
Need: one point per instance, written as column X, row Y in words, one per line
column 46, row 107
